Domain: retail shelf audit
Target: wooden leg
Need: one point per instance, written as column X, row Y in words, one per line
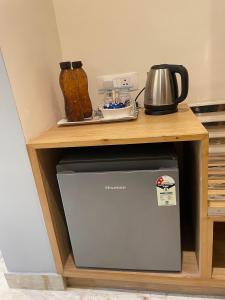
column 203, row 207
column 209, row 248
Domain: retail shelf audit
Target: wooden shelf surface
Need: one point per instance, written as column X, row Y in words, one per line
column 180, row 126
column 189, row 270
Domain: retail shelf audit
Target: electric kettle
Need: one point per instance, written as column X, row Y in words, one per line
column 161, row 90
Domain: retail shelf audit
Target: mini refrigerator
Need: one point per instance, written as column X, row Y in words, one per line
column 122, row 207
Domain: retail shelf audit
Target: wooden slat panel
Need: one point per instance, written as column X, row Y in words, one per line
column 216, row 149
column 220, row 156
column 217, row 204
column 216, row 211
column 216, row 186
column 216, row 172
column 217, row 163
column 216, row 181
column 220, row 192
column 216, row 131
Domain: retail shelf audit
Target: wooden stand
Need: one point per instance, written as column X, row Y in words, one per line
column 181, row 128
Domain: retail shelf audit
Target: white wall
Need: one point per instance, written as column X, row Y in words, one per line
column 23, row 237
column 217, row 49
column 131, row 35
column 31, row 50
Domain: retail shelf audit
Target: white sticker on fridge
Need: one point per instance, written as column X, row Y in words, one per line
column 166, row 191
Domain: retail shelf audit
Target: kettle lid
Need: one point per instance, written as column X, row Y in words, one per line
column 163, row 66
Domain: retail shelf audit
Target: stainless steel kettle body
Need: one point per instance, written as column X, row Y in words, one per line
column 161, row 90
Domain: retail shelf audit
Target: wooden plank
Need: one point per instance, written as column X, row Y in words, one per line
column 187, row 286
column 216, row 211
column 217, row 204
column 216, row 161
column 43, row 166
column 216, row 177
column 181, row 126
column 216, row 148
column 217, row 164
column 218, row 273
column 189, row 269
column 219, row 155
column 216, row 172
column 216, row 186
column 217, row 218
column 217, row 141
column 216, row 131
column 217, row 192
column 216, row 199
column 215, row 158
column 216, row 181
column 209, row 247
column 202, row 176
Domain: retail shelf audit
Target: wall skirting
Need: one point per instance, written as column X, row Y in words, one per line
column 52, row 282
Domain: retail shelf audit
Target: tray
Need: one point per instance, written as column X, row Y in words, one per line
column 98, row 118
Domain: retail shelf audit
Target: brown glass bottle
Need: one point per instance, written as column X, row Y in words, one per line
column 73, row 107
column 82, row 85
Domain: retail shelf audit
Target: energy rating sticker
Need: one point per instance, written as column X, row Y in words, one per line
column 166, row 191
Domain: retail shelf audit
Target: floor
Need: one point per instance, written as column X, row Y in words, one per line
column 84, row 294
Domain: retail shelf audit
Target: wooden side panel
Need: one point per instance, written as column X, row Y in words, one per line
column 43, row 165
column 197, row 170
column 210, row 248
column 203, row 177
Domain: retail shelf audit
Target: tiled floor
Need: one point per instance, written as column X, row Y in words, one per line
column 84, row 294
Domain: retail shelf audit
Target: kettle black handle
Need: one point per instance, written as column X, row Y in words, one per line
column 184, row 80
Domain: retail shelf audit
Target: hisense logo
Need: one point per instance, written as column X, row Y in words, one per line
column 115, row 187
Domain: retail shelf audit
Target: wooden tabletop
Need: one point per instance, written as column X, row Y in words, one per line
column 180, row 126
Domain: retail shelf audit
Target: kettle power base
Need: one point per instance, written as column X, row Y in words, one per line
column 160, row 110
